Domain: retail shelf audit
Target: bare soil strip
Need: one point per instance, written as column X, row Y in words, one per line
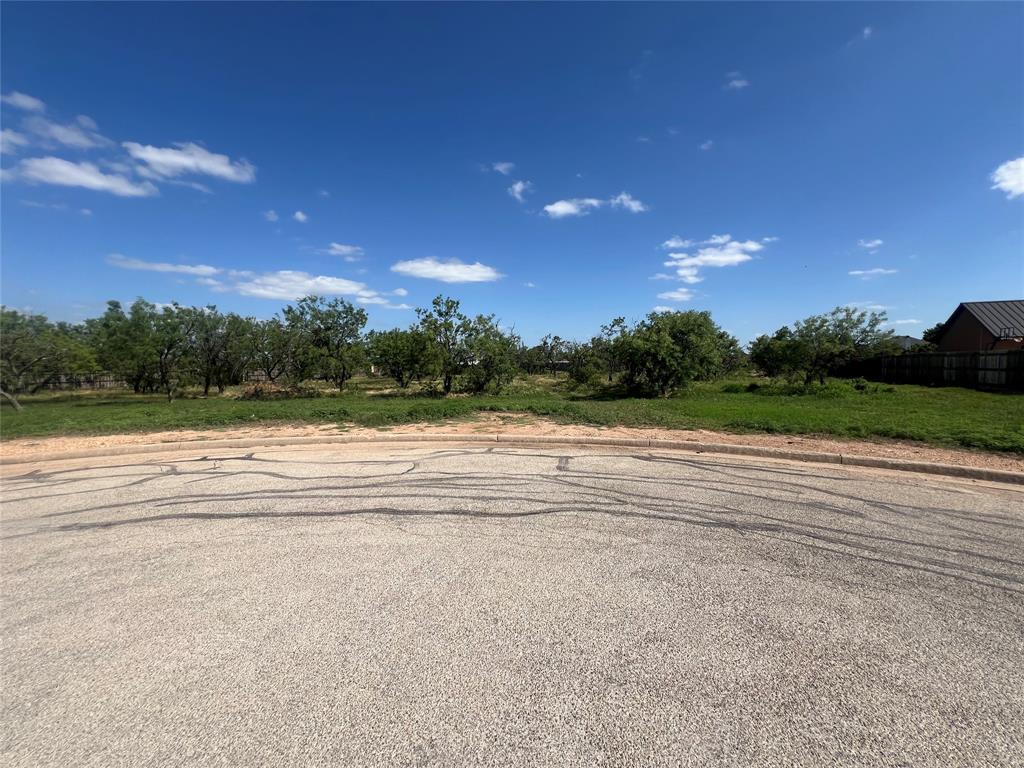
column 526, row 424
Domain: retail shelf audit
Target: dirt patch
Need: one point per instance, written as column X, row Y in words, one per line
column 526, row 424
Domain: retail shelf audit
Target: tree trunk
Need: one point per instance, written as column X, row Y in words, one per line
column 447, row 383
column 11, row 399
column 206, row 385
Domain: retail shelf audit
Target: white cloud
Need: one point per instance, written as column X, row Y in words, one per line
column 300, row 217
column 1009, row 178
column 123, row 262
column 643, row 140
column 86, row 211
column 560, row 209
column 736, row 81
column 503, row 168
column 581, row 206
column 716, row 251
column 662, row 308
column 909, row 321
column 348, row 252
column 676, row 242
column 54, row 170
column 283, row 284
column 871, row 245
column 866, row 33
column 189, row 158
column 867, row 274
column 323, row 193
column 23, row 101
column 451, row 271
column 529, row 285
column 769, row 239
column 519, row 188
column 79, row 135
column 271, row 215
column 627, row 201
column 661, row 276
column 11, row 141
column 707, row 145
column 399, row 292
column 679, row 294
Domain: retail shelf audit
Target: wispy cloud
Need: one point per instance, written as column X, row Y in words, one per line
column 679, row 294
column 11, row 141
column 868, row 274
column 871, row 245
column 23, row 101
column 347, row 252
column 627, row 201
column 504, row 168
column 271, row 215
column 735, row 81
column 300, row 217
column 519, row 189
column 200, row 270
column 188, row 158
column 661, row 308
column 866, row 33
column 1009, row 178
column 282, row 284
column 909, row 321
column 60, row 172
column 705, row 146
column 676, row 242
column 581, row 206
column 450, row 271
column 81, row 134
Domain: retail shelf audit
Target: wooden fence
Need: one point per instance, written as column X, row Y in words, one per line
column 1002, row 370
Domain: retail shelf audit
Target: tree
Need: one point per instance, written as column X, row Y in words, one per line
column 671, row 349
column 209, row 346
column 449, row 332
column 173, row 330
column 553, row 351
column 330, row 332
column 608, row 346
column 270, row 346
column 29, row 354
column 402, row 355
column 492, row 355
column 822, row 344
column 126, row 343
column 933, row 334
column 585, row 364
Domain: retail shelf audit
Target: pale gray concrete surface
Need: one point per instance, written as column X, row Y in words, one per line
column 449, row 605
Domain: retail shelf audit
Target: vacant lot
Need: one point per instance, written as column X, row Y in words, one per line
column 950, row 416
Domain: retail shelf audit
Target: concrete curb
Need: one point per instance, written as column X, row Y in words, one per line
column 949, row 470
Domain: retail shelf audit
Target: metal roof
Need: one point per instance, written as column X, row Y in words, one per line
column 997, row 315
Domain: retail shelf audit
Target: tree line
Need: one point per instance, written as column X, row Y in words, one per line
column 164, row 349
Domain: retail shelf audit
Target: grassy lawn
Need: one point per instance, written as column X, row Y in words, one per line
column 943, row 416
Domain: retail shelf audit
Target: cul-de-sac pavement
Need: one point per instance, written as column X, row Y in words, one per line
column 452, row 605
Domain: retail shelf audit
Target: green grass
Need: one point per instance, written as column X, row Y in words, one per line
column 943, row 416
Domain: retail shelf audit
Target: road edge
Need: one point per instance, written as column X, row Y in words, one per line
column 900, row 465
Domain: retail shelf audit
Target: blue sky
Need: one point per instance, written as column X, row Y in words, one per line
column 557, row 165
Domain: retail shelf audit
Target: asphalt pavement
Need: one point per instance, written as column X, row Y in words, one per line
column 468, row 605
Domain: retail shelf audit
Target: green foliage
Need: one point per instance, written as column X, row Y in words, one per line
column 449, row 332
column 671, row 349
column 944, row 416
column 585, row 365
column 404, row 355
column 33, row 352
column 328, row 338
column 822, row 344
column 933, row 334
column 492, row 355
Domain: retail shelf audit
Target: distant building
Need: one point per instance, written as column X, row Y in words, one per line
column 907, row 342
column 982, row 326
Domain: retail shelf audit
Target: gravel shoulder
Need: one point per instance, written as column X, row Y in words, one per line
column 528, row 425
